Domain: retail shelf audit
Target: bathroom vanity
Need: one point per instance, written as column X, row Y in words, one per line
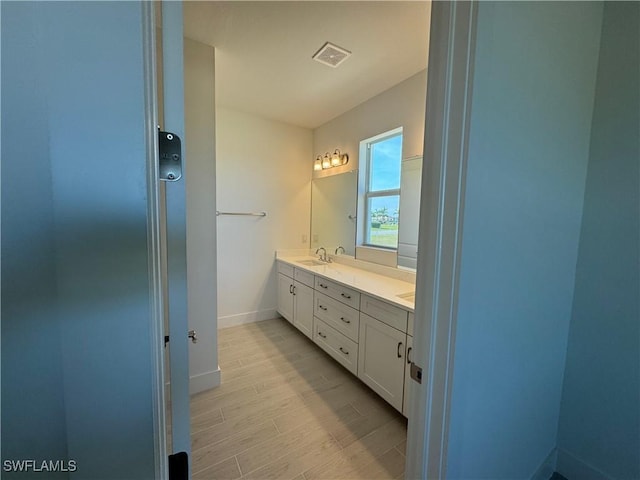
column 364, row 320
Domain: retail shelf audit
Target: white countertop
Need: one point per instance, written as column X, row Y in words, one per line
column 374, row 284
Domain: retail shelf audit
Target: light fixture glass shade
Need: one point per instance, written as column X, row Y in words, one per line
column 326, row 161
column 317, row 164
column 336, row 159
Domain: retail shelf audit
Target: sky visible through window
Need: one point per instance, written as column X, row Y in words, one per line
column 386, row 157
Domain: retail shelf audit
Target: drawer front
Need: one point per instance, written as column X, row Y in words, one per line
column 385, row 312
column 412, row 317
column 285, row 269
column 341, row 293
column 337, row 315
column 343, row 350
column 304, row 277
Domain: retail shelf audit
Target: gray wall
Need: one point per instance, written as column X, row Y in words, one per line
column 600, row 415
column 76, row 384
column 533, row 93
column 33, row 415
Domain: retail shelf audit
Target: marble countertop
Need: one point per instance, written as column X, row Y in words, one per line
column 374, row 284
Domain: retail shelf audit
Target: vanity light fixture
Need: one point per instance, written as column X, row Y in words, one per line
column 336, row 159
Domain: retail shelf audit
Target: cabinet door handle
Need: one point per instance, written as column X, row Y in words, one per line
column 321, row 334
column 345, row 321
column 291, row 289
column 348, row 297
column 323, row 285
column 344, row 351
column 409, row 354
column 399, row 347
column 294, row 290
column 322, row 308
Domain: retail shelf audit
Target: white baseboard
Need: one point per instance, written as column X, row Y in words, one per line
column 204, row 381
column 573, row 468
column 248, row 317
column 548, row 466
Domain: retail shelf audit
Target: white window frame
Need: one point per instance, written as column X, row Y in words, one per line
column 365, row 146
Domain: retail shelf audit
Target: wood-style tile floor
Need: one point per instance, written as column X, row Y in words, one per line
column 285, row 409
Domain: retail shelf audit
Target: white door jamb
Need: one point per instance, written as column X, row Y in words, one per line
column 450, row 74
column 153, row 242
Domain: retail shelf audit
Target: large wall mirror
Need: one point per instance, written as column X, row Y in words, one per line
column 334, row 206
column 333, row 212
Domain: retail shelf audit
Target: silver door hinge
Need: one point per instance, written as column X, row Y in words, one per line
column 170, row 153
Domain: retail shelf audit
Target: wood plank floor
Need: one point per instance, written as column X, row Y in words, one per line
column 287, row 410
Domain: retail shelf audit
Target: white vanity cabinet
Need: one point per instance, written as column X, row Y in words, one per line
column 295, row 297
column 370, row 337
column 381, row 360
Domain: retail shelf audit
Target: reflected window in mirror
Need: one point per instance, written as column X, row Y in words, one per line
column 382, row 189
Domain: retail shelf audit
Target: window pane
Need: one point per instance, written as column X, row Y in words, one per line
column 386, row 157
column 382, row 223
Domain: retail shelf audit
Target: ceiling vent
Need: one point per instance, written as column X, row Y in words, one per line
column 331, row 55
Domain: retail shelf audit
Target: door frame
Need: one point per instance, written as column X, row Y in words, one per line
column 175, row 260
column 450, row 74
column 154, row 241
column 447, row 115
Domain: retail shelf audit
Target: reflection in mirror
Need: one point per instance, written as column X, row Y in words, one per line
column 409, row 211
column 333, row 212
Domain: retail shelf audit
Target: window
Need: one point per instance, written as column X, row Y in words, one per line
column 382, row 190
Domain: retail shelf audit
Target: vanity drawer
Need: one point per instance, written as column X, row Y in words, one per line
column 342, row 349
column 304, row 277
column 339, row 292
column 285, row 269
column 337, row 315
column 412, row 317
column 385, row 312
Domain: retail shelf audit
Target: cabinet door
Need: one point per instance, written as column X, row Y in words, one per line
column 303, row 308
column 407, row 376
column 285, row 297
column 381, row 359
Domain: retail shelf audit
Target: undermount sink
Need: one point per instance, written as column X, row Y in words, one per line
column 311, row 263
column 409, row 296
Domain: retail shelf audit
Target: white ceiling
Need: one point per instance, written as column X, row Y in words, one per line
column 264, row 50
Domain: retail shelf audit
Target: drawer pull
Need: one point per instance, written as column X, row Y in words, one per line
column 344, row 351
column 322, row 308
column 323, row 285
column 409, row 354
column 399, row 347
column 321, row 334
column 348, row 297
column 345, row 321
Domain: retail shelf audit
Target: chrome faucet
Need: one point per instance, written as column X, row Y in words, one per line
column 340, row 247
column 323, row 255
